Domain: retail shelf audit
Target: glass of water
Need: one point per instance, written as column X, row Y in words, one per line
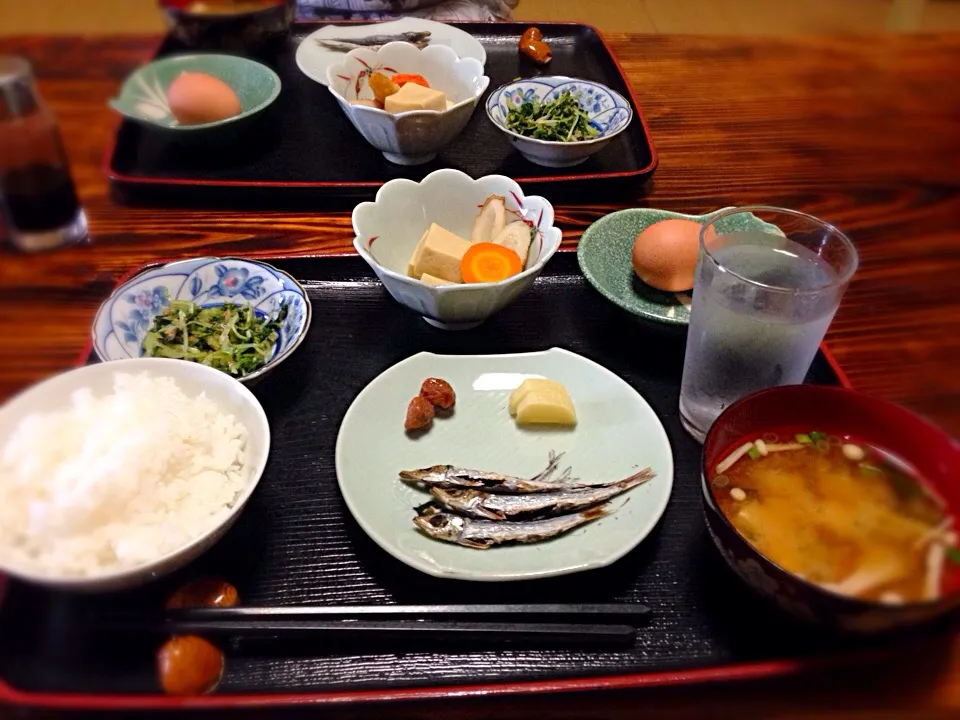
column 767, row 285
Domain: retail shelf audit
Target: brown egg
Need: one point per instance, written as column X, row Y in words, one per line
column 204, row 592
column 665, row 254
column 200, row 98
column 189, row 665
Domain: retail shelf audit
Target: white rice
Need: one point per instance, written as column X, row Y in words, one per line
column 117, row 481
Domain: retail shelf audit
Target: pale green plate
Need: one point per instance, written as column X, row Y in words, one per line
column 604, row 254
column 617, row 434
column 143, row 96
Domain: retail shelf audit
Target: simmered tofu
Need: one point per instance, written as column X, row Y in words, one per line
column 415, row 97
column 432, row 280
column 439, row 254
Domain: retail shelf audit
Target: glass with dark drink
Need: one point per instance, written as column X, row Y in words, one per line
column 38, row 201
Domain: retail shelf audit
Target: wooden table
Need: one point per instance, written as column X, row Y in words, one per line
column 863, row 132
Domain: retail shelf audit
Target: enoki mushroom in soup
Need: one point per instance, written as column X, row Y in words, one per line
column 840, row 513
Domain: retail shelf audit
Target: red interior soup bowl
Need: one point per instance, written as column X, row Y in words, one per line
column 845, row 513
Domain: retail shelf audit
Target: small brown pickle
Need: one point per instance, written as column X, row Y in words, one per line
column 420, row 414
column 438, row 392
column 533, row 46
column 204, row 592
column 189, row 665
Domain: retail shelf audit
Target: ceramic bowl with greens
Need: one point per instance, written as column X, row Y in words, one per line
column 243, row 317
column 558, row 121
column 143, row 96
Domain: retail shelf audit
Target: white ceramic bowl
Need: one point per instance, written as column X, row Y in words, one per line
column 610, row 113
column 415, row 137
column 388, row 230
column 228, row 394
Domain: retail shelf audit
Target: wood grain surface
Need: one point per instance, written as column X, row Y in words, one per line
column 861, row 131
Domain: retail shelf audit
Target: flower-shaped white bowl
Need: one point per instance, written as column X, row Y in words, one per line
column 125, row 317
column 388, row 230
column 610, row 113
column 415, row 137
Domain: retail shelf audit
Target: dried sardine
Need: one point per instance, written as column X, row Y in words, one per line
column 483, row 534
column 375, row 42
column 450, row 477
column 490, row 506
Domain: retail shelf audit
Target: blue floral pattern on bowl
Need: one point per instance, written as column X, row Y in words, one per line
column 598, row 100
column 610, row 113
column 124, row 319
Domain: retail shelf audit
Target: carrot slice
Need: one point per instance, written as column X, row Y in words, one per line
column 488, row 262
column 402, row 79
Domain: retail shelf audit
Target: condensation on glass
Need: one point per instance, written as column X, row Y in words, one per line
column 38, row 200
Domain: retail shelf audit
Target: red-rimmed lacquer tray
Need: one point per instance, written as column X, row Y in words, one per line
column 303, row 146
column 296, row 544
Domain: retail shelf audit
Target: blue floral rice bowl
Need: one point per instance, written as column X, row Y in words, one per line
column 610, row 114
column 125, row 317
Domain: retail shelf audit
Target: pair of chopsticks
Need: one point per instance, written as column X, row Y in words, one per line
column 564, row 624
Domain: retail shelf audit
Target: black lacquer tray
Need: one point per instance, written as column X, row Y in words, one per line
column 296, row 543
column 303, row 147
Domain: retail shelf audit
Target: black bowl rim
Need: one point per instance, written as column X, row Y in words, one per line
column 851, row 603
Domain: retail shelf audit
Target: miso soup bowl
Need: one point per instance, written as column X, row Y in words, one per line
column 929, row 450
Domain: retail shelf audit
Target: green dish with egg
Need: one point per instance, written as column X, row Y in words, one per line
column 605, row 257
column 143, row 95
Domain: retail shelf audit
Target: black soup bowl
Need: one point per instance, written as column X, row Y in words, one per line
column 932, row 453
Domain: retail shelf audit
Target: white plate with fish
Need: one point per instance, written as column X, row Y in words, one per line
column 328, row 45
column 616, row 438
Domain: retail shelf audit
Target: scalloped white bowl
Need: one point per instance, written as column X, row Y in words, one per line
column 388, row 230
column 415, row 137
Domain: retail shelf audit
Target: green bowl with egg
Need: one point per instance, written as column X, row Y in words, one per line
column 143, row 95
column 604, row 255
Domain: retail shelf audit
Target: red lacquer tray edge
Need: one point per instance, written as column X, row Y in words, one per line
column 118, row 177
column 740, row 671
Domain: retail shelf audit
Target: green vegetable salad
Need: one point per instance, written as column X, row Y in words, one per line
column 228, row 337
column 560, row 120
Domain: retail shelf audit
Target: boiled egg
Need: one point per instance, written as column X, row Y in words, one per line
column 665, row 254
column 197, row 98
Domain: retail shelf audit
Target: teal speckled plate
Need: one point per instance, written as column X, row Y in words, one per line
column 605, row 252
column 143, row 97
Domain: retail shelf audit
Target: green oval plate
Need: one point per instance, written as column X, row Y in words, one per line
column 143, row 97
column 604, row 254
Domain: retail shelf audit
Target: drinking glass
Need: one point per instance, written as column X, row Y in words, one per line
column 767, row 285
column 38, row 200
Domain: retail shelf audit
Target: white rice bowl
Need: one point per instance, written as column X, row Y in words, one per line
column 117, row 473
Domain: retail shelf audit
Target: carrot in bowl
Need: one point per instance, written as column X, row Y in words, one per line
column 489, row 262
column 402, row 79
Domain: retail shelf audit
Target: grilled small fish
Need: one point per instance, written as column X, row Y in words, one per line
column 452, row 478
column 375, row 42
column 490, row 506
column 483, row 534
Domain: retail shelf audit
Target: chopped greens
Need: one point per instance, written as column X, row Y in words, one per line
column 559, row 120
column 753, row 453
column 227, row 337
column 804, row 439
column 953, row 554
column 817, row 435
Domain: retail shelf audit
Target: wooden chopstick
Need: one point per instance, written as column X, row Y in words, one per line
column 271, row 628
column 590, row 612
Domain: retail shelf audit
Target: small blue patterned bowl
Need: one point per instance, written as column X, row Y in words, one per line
column 125, row 317
column 610, row 113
